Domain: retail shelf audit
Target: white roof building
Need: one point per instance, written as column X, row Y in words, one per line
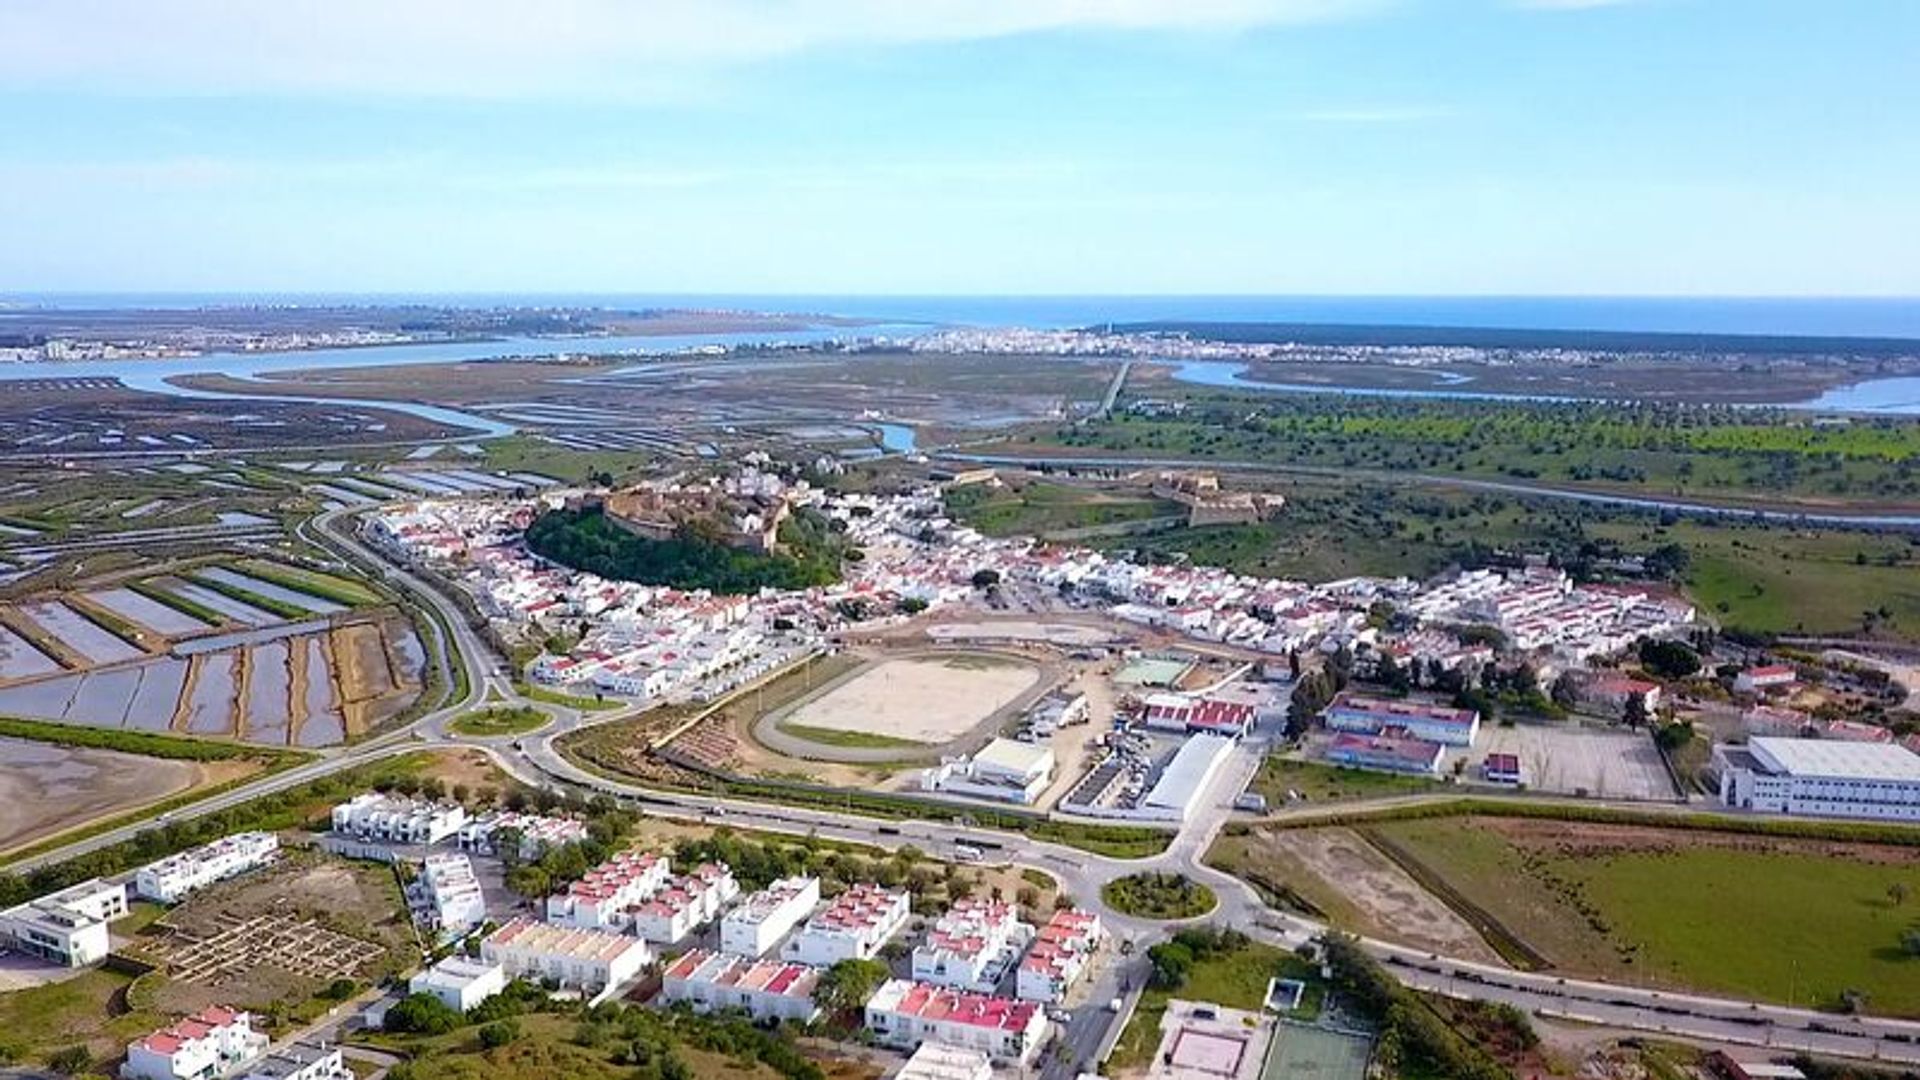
column 938, row 1061
column 69, row 927
column 396, row 819
column 583, row 959
column 1822, row 777
column 168, row 880
column 1186, row 777
column 448, row 881
column 460, row 982
column 760, row 921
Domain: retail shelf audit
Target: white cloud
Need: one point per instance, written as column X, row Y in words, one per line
column 510, row 48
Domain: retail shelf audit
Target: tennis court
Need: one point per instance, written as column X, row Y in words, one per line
column 1311, row 1053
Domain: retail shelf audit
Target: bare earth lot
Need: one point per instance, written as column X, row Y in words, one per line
column 1605, row 763
column 44, row 789
column 929, row 700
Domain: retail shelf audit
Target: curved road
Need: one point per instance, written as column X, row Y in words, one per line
column 534, row 760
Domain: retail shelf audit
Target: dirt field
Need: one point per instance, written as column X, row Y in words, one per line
column 281, row 934
column 1359, row 888
column 930, row 700
column 44, row 789
column 1601, row 762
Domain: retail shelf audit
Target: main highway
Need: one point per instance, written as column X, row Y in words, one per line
column 536, row 761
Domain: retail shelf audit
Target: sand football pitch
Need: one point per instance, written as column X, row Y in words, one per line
column 929, row 700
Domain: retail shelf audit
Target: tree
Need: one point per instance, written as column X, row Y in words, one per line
column 1668, row 659
column 1310, row 695
column 986, row 579
column 848, row 985
column 1898, row 893
column 422, row 1014
column 1634, row 712
column 529, row 881
column 1910, row 942
column 499, row 1033
column 1171, row 962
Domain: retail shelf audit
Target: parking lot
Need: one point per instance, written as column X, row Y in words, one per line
column 1567, row 759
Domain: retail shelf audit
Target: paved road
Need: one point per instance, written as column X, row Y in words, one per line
column 534, row 760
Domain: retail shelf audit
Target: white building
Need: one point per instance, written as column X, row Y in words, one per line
column 397, row 820
column 603, row 898
column 1004, row 769
column 211, row 1043
column 972, row 946
column 173, row 877
column 905, row 1014
column 1060, row 955
column 938, row 1061
column 537, row 832
column 766, row 989
column 852, row 927
column 764, row 918
column 1820, row 777
column 459, row 982
column 69, row 927
column 683, row 903
column 301, row 1061
column 1186, row 777
column 573, row 958
column 448, row 882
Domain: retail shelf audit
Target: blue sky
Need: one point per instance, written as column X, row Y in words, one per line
column 1650, row 147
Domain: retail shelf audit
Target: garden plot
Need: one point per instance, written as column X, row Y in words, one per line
column 267, row 589
column 155, row 616
column 77, row 632
column 20, row 660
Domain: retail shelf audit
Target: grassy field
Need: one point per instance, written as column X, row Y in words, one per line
column 570, row 701
column 1649, row 449
column 525, row 453
column 1040, row 506
column 500, row 720
column 856, row 740
column 90, row 1010
column 1322, row 783
column 1789, row 921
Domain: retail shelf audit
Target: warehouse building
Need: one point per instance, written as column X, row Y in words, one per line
column 1390, row 751
column 1821, row 777
column 1363, row 715
column 1004, row 770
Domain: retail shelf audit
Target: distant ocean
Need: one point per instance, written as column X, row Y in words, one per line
column 1839, row 317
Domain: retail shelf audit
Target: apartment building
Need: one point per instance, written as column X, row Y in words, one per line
column 460, row 982
column 683, row 903
column 972, row 946
column 573, row 958
column 170, row 879
column 906, row 1014
column 300, row 1061
column 396, row 819
column 211, row 1043
column 760, row 921
column 602, row 899
column 450, row 887
column 537, row 833
column 852, row 927
column 1060, row 956
column 766, row 989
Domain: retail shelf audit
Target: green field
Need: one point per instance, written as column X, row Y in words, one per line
column 1037, row 507
column 1660, row 449
column 89, row 1010
column 529, row 454
column 1322, row 783
column 852, row 740
column 1783, row 921
column 499, row 720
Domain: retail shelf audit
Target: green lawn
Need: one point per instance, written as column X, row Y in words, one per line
column 1325, row 783
column 1774, row 920
column 1237, row 980
column 500, row 720
column 853, row 740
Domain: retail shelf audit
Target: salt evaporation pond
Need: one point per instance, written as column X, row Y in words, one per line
column 228, row 607
column 104, row 698
column 80, row 633
column 158, row 696
column 268, row 701
column 268, row 589
column 149, row 613
column 210, row 709
column 324, row 725
column 20, row 660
